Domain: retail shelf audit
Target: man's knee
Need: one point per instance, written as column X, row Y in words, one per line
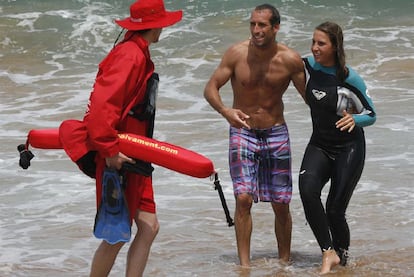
column 148, row 223
column 154, row 227
column 244, row 203
column 282, row 212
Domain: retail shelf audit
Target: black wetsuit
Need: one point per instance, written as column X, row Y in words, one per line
column 331, row 153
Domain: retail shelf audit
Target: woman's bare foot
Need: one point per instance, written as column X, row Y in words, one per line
column 329, row 260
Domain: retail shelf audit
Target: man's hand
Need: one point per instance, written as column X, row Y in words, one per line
column 236, row 118
column 347, row 122
column 117, row 160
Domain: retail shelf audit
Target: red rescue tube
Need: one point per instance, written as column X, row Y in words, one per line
column 165, row 154
column 44, row 139
column 150, row 150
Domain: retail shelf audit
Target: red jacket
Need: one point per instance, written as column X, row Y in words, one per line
column 120, row 84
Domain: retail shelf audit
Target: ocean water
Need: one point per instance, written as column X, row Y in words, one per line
column 49, row 52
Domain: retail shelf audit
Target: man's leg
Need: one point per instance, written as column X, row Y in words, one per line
column 139, row 250
column 104, row 258
column 243, row 226
column 283, row 230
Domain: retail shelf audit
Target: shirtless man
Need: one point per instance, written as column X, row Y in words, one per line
column 260, row 70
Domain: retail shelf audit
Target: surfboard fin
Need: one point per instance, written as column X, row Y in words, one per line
column 112, row 222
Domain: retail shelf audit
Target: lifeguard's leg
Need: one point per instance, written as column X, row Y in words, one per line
column 138, row 253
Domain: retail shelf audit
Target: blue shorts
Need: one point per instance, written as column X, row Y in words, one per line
column 260, row 163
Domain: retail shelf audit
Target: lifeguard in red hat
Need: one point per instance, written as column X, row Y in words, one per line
column 122, row 100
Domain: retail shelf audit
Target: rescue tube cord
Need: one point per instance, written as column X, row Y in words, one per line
column 217, row 187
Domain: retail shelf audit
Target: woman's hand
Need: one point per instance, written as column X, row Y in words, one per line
column 347, row 122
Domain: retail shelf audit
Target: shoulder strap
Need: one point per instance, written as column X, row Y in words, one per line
column 145, row 110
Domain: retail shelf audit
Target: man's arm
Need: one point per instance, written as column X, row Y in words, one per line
column 220, row 77
column 298, row 74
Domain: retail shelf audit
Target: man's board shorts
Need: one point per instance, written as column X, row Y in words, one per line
column 260, row 163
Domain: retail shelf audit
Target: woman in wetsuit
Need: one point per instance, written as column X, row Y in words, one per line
column 340, row 107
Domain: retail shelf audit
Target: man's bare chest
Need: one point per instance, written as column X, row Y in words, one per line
column 264, row 75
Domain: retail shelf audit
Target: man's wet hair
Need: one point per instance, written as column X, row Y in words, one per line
column 275, row 19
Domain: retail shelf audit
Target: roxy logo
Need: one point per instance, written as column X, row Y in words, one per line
column 318, row 94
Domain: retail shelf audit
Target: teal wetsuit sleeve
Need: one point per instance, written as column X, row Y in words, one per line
column 367, row 116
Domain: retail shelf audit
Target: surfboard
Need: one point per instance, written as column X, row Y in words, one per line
column 161, row 153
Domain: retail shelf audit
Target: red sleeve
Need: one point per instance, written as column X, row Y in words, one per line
column 118, row 78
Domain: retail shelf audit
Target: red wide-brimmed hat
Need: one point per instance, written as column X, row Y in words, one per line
column 149, row 14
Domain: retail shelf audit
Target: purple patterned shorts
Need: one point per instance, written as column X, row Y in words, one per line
column 260, row 163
